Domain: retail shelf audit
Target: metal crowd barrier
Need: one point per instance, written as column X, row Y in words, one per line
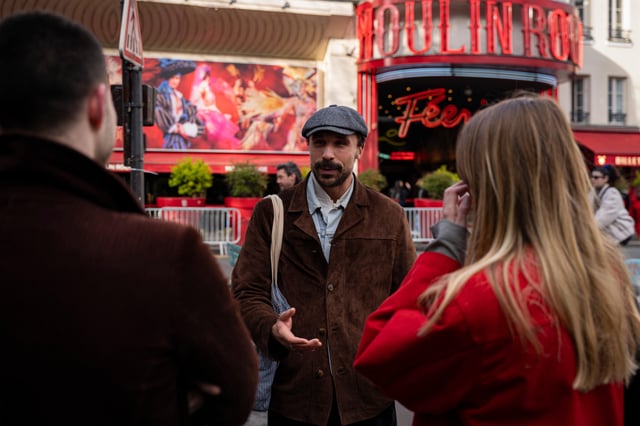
column 420, row 221
column 221, row 225
column 217, row 225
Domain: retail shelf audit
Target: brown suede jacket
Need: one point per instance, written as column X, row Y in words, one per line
column 371, row 253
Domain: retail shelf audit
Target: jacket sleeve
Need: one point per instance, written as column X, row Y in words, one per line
column 427, row 374
column 251, row 280
column 610, row 206
column 213, row 344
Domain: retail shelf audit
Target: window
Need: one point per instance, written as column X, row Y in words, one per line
column 579, row 100
column 617, row 114
column 617, row 22
column 588, row 31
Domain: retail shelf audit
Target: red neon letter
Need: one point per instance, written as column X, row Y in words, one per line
column 451, row 117
column 502, row 27
column 575, row 42
column 427, row 25
column 474, row 26
column 533, row 22
column 364, row 13
column 444, row 29
column 393, row 28
column 558, row 35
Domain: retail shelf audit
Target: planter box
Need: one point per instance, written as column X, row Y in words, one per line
column 427, row 202
column 180, row 202
column 245, row 205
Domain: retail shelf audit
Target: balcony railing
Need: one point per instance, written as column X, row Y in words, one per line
column 587, row 33
column 617, row 118
column 619, row 35
column 580, row 117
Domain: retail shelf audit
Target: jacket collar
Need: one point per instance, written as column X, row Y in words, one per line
column 353, row 214
column 28, row 160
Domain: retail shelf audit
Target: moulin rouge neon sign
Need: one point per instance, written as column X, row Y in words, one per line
column 393, row 28
column 432, row 115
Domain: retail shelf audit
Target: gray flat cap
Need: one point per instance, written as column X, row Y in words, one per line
column 336, row 118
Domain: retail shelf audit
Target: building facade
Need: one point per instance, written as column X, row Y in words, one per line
column 602, row 99
column 251, row 71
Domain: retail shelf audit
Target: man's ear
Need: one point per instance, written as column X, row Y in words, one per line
column 96, row 105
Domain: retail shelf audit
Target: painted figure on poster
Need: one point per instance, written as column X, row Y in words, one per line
column 175, row 115
column 220, row 132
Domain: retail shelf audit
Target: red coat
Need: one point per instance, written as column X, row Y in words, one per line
column 468, row 370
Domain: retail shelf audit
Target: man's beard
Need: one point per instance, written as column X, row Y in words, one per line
column 332, row 182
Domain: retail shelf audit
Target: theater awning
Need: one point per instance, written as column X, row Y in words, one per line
column 618, row 148
column 162, row 161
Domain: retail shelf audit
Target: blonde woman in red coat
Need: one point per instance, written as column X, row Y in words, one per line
column 536, row 325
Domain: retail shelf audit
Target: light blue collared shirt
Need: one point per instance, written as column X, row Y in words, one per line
column 325, row 213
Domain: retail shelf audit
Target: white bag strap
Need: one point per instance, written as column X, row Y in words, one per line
column 276, row 236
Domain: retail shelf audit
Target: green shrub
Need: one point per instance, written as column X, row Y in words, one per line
column 304, row 171
column 245, row 180
column 191, row 177
column 437, row 181
column 373, row 179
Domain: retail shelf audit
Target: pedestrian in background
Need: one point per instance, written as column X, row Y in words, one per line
column 611, row 215
column 537, row 324
column 400, row 192
column 107, row 317
column 346, row 248
column 288, row 174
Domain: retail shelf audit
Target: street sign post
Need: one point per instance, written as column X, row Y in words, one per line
column 132, row 63
column 130, row 37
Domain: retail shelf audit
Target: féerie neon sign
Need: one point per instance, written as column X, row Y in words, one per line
column 543, row 29
column 432, row 115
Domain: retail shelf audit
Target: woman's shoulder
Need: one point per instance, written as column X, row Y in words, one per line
column 611, row 192
column 482, row 309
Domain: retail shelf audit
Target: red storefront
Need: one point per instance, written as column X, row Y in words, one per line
column 619, row 148
column 425, row 66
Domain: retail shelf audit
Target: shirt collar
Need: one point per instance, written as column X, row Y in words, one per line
column 317, row 197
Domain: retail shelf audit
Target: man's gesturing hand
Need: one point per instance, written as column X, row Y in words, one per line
column 281, row 331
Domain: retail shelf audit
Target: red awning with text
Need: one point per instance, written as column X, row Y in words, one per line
column 161, row 162
column 620, row 149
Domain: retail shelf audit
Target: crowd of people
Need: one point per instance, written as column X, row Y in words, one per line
column 526, row 317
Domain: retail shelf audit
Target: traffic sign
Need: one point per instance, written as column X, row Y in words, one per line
column 130, row 37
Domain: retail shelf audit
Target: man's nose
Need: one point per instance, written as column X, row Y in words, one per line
column 328, row 152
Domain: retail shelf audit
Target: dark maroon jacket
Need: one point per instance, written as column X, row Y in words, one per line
column 107, row 317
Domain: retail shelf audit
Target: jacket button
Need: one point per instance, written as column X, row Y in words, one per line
column 330, row 287
column 322, row 331
column 319, row 374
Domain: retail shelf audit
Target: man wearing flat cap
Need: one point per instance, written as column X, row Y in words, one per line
column 345, row 249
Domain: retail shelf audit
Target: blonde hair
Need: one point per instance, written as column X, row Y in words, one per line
column 529, row 188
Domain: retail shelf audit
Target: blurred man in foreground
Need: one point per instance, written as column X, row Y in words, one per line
column 107, row 317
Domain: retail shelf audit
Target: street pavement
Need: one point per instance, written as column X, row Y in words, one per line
column 632, row 250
